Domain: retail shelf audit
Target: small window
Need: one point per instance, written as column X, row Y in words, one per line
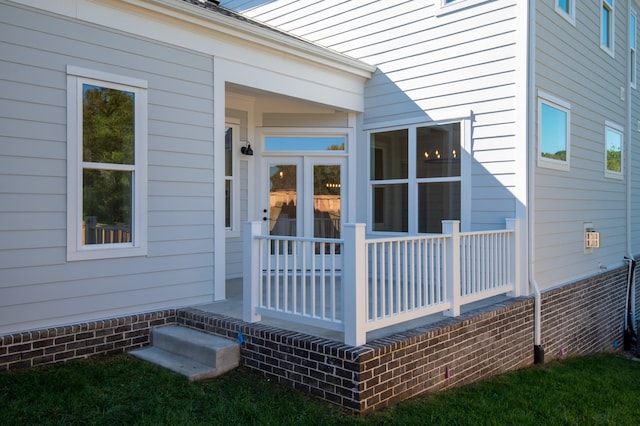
column 553, row 132
column 607, row 26
column 447, row 6
column 305, row 143
column 229, row 180
column 632, row 48
column 567, row 9
column 614, row 140
column 106, row 163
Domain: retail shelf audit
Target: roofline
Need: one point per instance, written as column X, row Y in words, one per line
column 256, row 32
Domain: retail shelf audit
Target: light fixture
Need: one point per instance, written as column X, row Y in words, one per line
column 246, row 150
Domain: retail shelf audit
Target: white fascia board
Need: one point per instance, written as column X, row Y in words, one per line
column 273, row 39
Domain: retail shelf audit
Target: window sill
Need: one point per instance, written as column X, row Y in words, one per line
column 105, row 253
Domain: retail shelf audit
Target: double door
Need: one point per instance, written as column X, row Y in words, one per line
column 305, row 196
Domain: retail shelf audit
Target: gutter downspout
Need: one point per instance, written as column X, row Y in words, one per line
column 538, row 350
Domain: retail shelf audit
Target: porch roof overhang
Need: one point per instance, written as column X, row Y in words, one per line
column 240, row 27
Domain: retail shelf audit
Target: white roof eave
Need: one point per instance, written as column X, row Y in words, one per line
column 257, row 34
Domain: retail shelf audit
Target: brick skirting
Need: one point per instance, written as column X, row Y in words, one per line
column 60, row 344
column 580, row 318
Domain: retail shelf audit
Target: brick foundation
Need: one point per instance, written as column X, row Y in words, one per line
column 580, row 318
column 60, row 344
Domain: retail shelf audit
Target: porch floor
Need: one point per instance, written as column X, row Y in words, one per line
column 232, row 307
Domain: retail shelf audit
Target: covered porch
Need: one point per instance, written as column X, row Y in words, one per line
column 355, row 290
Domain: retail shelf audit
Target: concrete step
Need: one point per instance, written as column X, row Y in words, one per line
column 193, row 353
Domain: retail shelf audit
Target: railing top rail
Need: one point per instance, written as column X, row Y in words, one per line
column 307, row 239
column 407, row 238
column 490, row 232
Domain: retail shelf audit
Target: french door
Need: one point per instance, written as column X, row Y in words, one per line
column 305, row 196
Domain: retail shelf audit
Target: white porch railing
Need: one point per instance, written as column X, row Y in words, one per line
column 356, row 285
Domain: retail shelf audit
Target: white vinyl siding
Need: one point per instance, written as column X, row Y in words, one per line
column 565, row 200
column 38, row 287
column 432, row 66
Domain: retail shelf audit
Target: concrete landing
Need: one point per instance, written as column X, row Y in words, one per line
column 194, row 354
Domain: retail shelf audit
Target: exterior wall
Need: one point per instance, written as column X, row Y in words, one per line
column 585, row 317
column 38, row 287
column 564, row 200
column 432, row 66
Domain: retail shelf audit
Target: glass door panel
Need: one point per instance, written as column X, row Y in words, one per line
column 283, row 200
column 326, row 201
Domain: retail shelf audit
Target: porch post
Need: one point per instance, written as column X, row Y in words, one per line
column 354, row 305
column 514, row 226
column 250, row 271
column 452, row 265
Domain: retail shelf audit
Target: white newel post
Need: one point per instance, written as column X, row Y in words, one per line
column 250, row 271
column 514, row 226
column 452, row 265
column 355, row 285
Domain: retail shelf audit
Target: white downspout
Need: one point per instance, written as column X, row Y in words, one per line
column 532, row 155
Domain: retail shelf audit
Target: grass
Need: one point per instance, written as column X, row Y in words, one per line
column 594, row 390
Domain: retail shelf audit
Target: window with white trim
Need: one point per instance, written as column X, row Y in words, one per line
column 231, row 181
column 614, row 148
column 554, row 129
column 106, row 165
column 447, row 6
column 632, row 48
column 567, row 9
column 607, row 23
column 415, row 178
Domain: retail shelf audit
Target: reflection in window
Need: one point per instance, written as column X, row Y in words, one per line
column 304, row 143
column 613, row 141
column 553, row 132
column 108, row 140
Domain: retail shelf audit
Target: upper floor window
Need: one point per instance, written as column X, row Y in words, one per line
column 553, row 132
column 415, row 178
column 607, row 26
column 632, row 48
column 567, row 9
column 106, row 165
column 613, row 135
column 447, row 6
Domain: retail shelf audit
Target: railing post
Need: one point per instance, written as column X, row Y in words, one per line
column 250, row 271
column 354, row 306
column 452, row 265
column 514, row 226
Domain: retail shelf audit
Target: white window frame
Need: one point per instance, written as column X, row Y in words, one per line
column 610, row 6
column 445, row 7
column 633, row 41
column 616, row 128
column 412, row 181
column 557, row 103
column 570, row 15
column 76, row 77
column 234, row 229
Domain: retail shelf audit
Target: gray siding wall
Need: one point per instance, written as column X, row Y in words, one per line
column 571, row 65
column 430, row 65
column 38, row 287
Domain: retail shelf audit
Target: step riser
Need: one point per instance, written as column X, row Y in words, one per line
column 213, row 355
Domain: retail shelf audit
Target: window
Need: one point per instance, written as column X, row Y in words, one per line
column 632, row 48
column 106, row 200
column 613, row 150
column 231, row 185
column 447, row 6
column 415, row 170
column 607, row 26
column 553, row 132
column 567, row 9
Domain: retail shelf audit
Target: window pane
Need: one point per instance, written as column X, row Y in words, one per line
column 389, row 155
column 614, row 150
column 228, row 152
column 326, row 201
column 564, row 5
column 107, row 125
column 606, row 30
column 553, row 143
column 283, row 202
column 303, row 143
column 390, row 208
column 227, row 203
column 437, row 201
column 438, row 151
column 107, row 206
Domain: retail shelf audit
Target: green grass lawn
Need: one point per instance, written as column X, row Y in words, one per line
column 122, row 390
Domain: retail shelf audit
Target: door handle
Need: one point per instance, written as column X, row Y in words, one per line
column 264, row 218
